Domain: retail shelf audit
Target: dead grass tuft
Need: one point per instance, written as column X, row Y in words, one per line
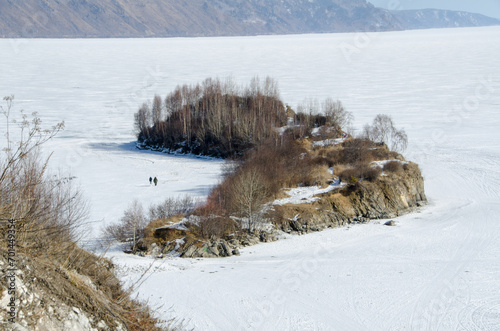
column 393, row 166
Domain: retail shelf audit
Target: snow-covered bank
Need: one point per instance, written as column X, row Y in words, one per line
column 437, row 269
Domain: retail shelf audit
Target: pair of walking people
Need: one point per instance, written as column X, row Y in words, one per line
column 151, row 180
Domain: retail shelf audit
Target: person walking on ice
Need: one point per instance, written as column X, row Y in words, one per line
column 150, row 180
column 155, row 181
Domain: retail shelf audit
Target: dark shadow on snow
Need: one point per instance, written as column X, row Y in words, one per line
column 132, row 147
column 202, row 190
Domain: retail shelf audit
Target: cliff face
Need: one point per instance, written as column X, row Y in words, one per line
column 172, row 18
column 387, row 197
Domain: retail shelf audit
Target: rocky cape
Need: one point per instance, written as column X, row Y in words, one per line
column 174, row 18
column 389, row 196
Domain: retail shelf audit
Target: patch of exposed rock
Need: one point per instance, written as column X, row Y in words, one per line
column 389, row 196
column 216, row 247
column 46, row 297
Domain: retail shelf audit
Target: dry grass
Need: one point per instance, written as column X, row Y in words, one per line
column 341, row 168
column 319, row 175
column 393, row 166
column 87, row 282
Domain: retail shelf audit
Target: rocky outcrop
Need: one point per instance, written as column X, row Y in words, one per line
column 42, row 296
column 212, row 248
column 389, row 196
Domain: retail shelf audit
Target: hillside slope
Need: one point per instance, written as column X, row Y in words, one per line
column 79, row 294
column 435, row 18
column 173, row 18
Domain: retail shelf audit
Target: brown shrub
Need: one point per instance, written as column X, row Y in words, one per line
column 215, row 226
column 371, row 173
column 348, row 174
column 338, row 169
column 393, row 166
column 335, row 156
column 318, row 175
column 382, row 152
column 360, row 171
column 357, row 151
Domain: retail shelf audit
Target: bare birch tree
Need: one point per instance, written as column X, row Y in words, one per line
column 249, row 193
column 383, row 130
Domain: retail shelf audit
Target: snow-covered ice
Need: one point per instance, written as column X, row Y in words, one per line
column 438, row 269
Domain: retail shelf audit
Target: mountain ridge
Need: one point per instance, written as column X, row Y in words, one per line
column 196, row 18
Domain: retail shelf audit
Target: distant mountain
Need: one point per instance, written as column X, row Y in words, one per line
column 171, row 18
column 435, row 18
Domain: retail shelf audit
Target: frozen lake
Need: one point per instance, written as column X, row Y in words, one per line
column 438, row 269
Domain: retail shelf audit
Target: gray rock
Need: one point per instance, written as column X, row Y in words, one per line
column 390, row 223
column 191, row 251
column 213, row 250
column 224, row 250
column 234, row 242
column 263, row 237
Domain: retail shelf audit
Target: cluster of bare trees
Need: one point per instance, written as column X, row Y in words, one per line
column 215, row 117
column 383, row 130
column 221, row 118
column 47, row 211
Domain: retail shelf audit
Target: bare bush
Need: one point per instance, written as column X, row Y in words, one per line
column 171, row 207
column 383, row 130
column 360, row 171
column 131, row 226
column 318, row 175
column 331, row 114
column 357, row 151
column 370, row 173
column 393, row 166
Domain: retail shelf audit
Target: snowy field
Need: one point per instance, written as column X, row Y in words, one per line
column 438, row 269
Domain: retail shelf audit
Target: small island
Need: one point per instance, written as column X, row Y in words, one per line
column 288, row 171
